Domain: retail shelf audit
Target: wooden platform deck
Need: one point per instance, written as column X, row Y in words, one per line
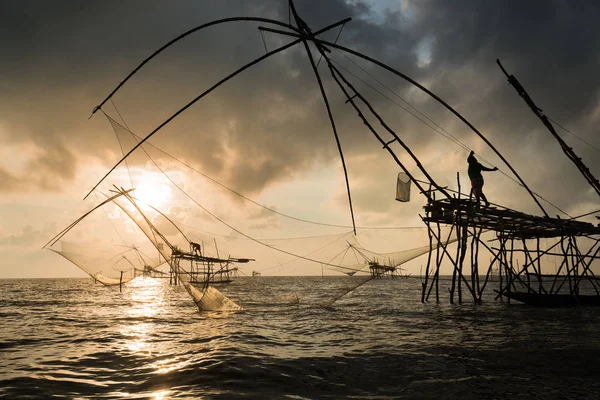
column 504, row 221
column 182, row 255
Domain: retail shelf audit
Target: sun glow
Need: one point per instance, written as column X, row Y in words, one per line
column 152, row 190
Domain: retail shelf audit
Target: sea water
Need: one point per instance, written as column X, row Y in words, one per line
column 72, row 338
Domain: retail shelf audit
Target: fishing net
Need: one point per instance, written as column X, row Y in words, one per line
column 403, row 187
column 108, row 268
column 210, row 299
column 234, row 226
column 142, row 221
column 256, row 231
column 335, row 253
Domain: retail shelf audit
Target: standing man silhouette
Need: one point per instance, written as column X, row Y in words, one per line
column 477, row 179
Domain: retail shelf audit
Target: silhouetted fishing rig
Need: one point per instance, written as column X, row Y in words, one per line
column 379, row 271
column 203, row 270
column 517, row 234
column 518, row 256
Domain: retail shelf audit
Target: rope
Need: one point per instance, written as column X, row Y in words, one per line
column 216, row 217
column 566, row 130
column 308, row 254
column 336, row 298
column 437, row 129
column 256, row 203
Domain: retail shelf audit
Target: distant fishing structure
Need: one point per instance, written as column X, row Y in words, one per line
column 201, row 269
column 518, row 234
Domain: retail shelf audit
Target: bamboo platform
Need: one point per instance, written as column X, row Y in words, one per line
column 518, row 256
column 506, row 222
column 379, row 271
column 203, row 269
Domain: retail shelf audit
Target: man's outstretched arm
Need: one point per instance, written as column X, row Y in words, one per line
column 488, row 169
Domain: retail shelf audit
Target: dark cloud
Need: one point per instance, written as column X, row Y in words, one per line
column 270, row 123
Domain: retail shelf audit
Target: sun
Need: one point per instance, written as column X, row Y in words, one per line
column 153, row 190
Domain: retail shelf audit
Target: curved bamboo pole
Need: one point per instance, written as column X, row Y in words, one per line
column 306, row 30
column 62, row 233
column 183, row 35
column 188, row 105
column 447, row 106
column 206, row 92
column 424, row 89
column 585, row 171
column 334, row 72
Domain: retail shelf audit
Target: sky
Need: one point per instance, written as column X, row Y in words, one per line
column 266, row 133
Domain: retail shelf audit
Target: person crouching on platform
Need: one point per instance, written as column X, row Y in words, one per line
column 477, row 179
column 196, row 249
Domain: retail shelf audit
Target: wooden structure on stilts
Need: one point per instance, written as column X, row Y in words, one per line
column 516, row 254
column 150, row 272
column 203, row 270
column 380, row 271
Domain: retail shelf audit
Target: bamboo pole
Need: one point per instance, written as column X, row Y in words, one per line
column 476, row 268
column 454, row 263
column 562, row 263
column 199, row 28
column 509, row 274
column 501, row 266
column 458, row 248
column 206, row 92
column 463, row 253
column 510, row 267
column 474, row 284
column 575, row 267
column 387, row 128
column 539, row 268
column 336, row 76
column 424, row 284
column 430, row 93
column 526, row 267
column 440, row 256
column 487, row 275
column 587, row 174
column 306, row 30
column 462, row 239
column 587, row 266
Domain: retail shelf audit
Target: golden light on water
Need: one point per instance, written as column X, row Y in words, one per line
column 160, row 395
column 137, row 336
column 147, row 301
column 147, row 297
column 171, row 364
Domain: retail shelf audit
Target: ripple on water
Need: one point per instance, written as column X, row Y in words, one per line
column 72, row 338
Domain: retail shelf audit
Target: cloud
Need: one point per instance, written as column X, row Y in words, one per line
column 43, row 166
column 29, row 237
column 269, row 124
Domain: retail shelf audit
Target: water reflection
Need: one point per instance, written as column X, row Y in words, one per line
column 161, row 395
column 150, row 303
column 171, row 364
column 147, row 297
column 80, row 340
column 136, row 338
